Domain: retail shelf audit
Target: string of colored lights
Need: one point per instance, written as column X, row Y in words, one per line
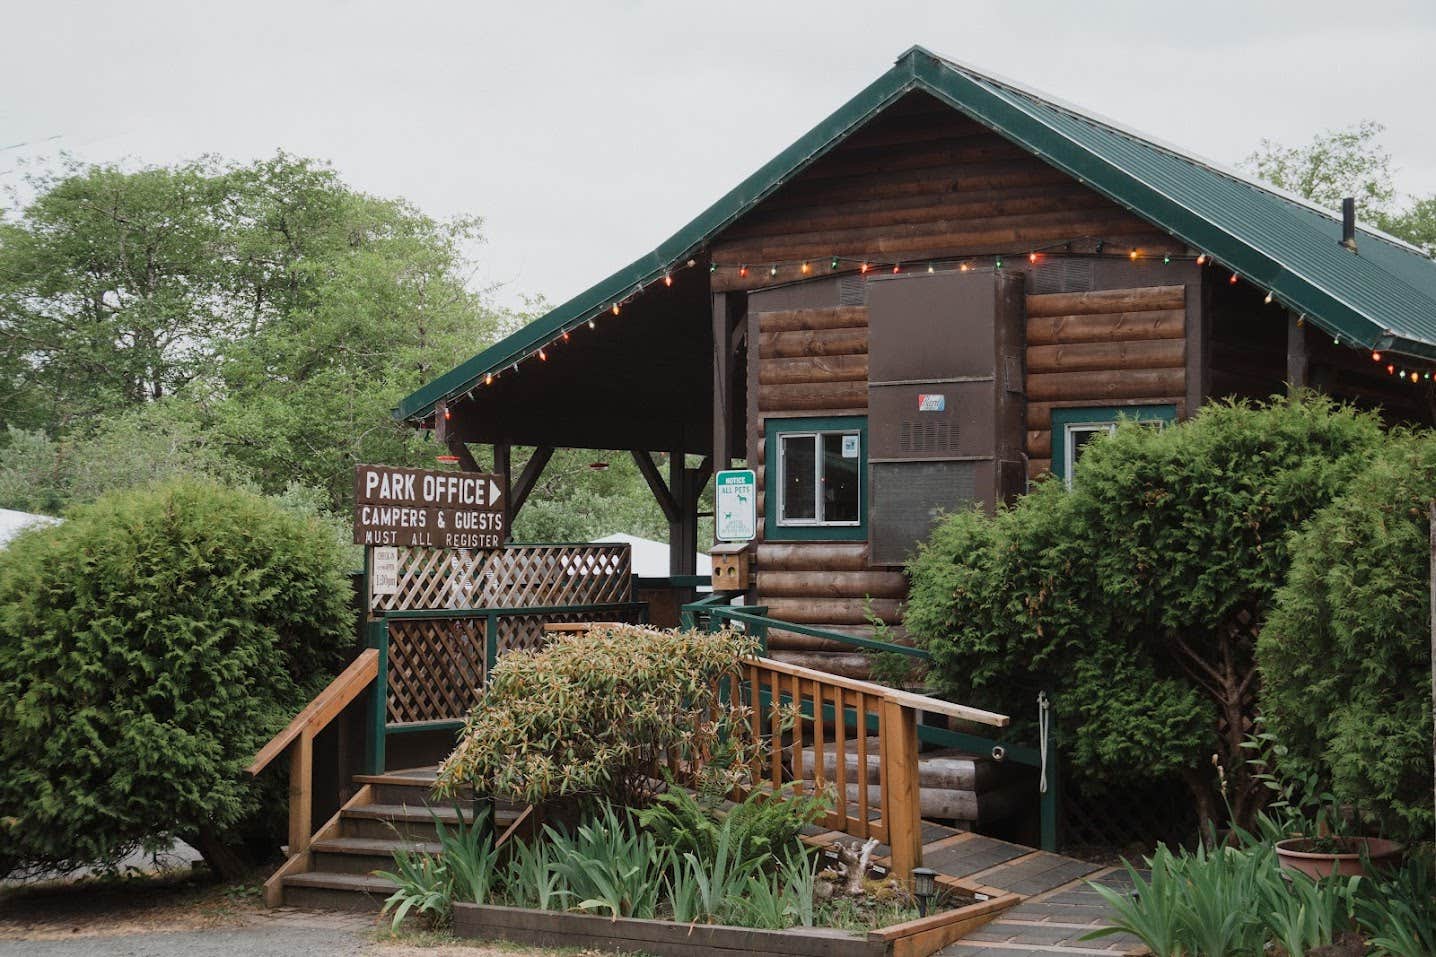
column 800, row 269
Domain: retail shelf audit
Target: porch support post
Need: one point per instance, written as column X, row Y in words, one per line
column 682, row 527
column 729, row 324
column 503, row 465
column 1296, row 353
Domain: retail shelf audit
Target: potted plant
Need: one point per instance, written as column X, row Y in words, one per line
column 1310, row 827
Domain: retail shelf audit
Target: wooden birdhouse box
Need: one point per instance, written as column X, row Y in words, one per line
column 732, row 566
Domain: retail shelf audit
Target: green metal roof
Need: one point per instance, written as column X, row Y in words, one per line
column 1381, row 297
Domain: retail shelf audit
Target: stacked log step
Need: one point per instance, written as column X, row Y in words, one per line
column 952, row 786
column 391, row 812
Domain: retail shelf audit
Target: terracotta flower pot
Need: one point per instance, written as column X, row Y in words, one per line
column 1350, row 859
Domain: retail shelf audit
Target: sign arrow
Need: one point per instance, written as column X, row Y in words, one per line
column 494, row 492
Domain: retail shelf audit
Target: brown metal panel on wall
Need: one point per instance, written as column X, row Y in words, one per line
column 945, row 362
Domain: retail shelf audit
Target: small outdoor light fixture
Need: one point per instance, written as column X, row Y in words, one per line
column 924, row 888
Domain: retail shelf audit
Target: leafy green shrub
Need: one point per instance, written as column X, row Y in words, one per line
column 1345, row 655
column 763, row 826
column 1134, row 597
column 593, row 714
column 148, row 646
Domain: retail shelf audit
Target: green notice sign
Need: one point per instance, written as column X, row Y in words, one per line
column 736, row 505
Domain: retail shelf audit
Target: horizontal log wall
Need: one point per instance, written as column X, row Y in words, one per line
column 815, row 362
column 1109, row 348
column 920, row 182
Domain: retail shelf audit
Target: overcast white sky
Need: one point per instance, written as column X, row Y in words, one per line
column 585, row 134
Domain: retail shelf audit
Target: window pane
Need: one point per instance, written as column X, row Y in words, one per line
column 1078, row 436
column 799, row 479
column 840, row 477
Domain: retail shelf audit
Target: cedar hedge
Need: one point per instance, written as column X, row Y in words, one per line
column 148, row 646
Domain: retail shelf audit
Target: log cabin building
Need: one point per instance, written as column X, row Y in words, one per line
column 933, row 298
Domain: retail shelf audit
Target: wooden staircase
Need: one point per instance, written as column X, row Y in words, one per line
column 390, row 812
column 968, row 789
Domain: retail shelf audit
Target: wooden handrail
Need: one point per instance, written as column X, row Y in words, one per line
column 907, row 699
column 326, row 705
column 300, row 733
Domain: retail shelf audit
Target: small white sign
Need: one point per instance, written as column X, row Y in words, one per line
column 384, row 578
column 735, row 505
column 932, row 402
column 850, row 446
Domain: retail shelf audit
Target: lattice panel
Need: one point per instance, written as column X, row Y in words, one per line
column 436, row 668
column 519, row 576
column 525, row 632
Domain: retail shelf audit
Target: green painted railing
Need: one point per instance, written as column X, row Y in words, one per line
column 711, row 612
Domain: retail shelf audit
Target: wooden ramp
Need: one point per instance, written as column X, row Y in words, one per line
column 1058, row 906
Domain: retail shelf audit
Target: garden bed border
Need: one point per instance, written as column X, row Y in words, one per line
column 543, row 928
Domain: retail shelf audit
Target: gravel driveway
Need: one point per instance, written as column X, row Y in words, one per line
column 259, row 940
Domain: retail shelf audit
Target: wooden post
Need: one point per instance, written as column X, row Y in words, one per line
column 683, row 527
column 730, row 313
column 503, row 465
column 301, row 792
column 902, row 812
column 1296, row 353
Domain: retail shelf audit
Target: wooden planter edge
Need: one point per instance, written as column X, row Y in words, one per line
column 917, row 938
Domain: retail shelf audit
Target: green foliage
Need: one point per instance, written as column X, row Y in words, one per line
column 1334, row 165
column 609, row 863
column 425, row 885
column 592, row 714
column 1133, row 595
column 1397, row 911
column 530, row 878
column 764, row 826
column 1227, row 901
column 261, row 300
column 1345, row 654
column 470, row 856
column 1348, row 162
column 466, row 868
column 148, row 646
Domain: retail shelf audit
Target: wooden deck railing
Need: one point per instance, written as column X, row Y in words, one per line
column 830, row 707
column 299, row 735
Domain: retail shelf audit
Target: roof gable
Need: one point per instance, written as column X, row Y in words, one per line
column 1382, row 297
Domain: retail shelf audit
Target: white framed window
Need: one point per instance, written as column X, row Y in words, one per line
column 1075, row 437
column 820, row 478
column 1073, row 430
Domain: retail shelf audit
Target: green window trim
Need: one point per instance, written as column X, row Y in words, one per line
column 773, row 429
column 1066, row 421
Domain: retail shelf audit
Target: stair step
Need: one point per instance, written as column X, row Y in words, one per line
column 370, row 845
column 357, row 883
column 410, row 822
column 326, row 890
column 363, row 855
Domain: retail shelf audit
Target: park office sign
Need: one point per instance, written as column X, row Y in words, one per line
column 424, row 508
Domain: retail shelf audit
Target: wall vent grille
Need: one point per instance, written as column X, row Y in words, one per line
column 927, row 435
column 1062, row 275
column 853, row 291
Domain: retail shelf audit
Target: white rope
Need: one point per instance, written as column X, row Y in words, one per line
column 1044, row 720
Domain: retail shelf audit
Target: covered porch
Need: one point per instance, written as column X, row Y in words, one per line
column 648, row 364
